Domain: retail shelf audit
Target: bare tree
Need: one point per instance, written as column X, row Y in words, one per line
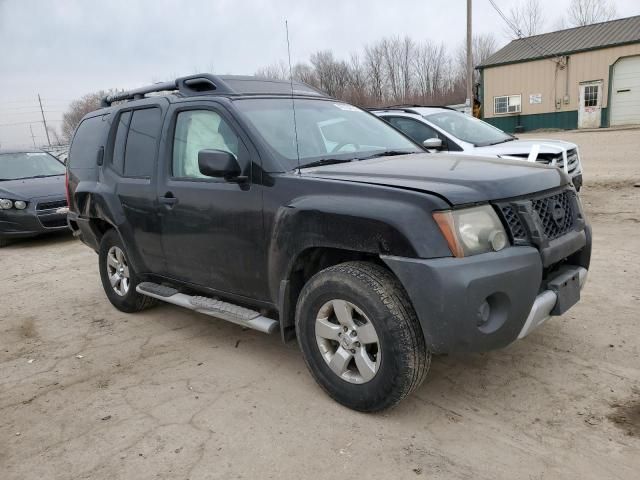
column 527, row 19
column 78, row 109
column 586, row 12
column 374, row 59
column 483, row 47
column 277, row 71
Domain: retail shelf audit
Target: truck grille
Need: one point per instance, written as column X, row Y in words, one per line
column 51, row 205
column 555, row 216
column 513, row 221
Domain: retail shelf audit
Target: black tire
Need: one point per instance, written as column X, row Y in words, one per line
column 132, row 301
column 4, row 242
column 404, row 360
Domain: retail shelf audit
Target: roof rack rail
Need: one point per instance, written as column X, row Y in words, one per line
column 190, row 85
column 408, row 107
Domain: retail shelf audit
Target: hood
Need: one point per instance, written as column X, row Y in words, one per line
column 29, row 188
column 523, row 147
column 459, row 179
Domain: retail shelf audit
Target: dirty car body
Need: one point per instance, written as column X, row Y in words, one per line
column 303, row 199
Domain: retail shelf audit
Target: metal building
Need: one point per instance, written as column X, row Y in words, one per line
column 583, row 77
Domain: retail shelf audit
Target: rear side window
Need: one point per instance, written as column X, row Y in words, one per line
column 141, row 144
column 90, row 136
column 121, row 138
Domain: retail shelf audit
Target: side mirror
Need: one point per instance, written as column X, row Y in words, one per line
column 218, row 163
column 434, row 143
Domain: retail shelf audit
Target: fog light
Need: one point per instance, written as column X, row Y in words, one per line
column 498, row 240
column 20, row 205
column 484, row 313
column 5, row 204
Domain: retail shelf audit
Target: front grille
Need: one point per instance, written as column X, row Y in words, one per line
column 556, row 214
column 51, row 205
column 513, row 221
column 540, row 219
column 53, row 222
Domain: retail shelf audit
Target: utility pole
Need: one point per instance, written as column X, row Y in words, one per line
column 45, row 121
column 33, row 137
column 469, row 60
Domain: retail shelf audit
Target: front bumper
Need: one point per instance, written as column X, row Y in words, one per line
column 30, row 221
column 450, row 295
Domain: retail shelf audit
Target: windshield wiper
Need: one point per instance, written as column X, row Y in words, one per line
column 388, row 153
column 326, row 161
column 44, row 176
column 504, row 141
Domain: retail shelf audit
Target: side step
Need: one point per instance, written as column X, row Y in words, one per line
column 210, row 306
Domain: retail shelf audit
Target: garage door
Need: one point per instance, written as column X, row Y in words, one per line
column 625, row 92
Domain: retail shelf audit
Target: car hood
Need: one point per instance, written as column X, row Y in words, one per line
column 523, row 147
column 28, row 188
column 457, row 178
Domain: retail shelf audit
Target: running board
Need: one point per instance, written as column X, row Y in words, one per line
column 210, row 306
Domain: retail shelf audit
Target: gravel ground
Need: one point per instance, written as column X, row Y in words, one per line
column 89, row 392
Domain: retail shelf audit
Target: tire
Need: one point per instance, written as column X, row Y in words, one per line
column 122, row 295
column 4, row 242
column 370, row 294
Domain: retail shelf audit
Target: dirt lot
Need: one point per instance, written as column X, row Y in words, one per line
column 88, row 392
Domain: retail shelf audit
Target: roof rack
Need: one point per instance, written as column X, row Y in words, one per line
column 190, row 85
column 409, row 107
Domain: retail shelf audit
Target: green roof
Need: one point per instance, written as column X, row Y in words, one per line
column 563, row 42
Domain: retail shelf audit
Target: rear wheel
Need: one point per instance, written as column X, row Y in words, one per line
column 360, row 337
column 119, row 280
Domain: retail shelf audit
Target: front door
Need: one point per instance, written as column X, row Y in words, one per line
column 590, row 104
column 212, row 231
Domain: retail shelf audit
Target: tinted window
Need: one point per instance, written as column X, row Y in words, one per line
column 417, row 131
column 121, row 138
column 140, row 150
column 89, row 137
column 199, row 130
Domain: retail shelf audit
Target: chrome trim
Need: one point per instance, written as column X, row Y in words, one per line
column 543, row 305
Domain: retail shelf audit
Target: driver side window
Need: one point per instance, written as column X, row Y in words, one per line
column 417, row 131
column 199, row 130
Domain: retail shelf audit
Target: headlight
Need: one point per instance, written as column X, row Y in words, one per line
column 20, row 205
column 5, row 204
column 470, row 231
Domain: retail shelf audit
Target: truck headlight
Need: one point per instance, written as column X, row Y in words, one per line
column 470, row 231
column 5, row 204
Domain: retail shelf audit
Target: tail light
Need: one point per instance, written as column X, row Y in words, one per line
column 66, row 188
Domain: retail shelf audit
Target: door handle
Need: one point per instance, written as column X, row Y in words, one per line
column 169, row 200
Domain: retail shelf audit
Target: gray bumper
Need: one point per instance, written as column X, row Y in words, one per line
column 448, row 295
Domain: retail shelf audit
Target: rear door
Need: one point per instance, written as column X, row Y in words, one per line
column 132, row 166
column 212, row 232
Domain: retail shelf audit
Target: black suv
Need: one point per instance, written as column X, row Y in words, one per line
column 273, row 206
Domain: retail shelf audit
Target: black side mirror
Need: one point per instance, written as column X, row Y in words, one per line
column 218, row 163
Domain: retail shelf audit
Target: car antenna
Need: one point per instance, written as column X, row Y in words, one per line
column 293, row 102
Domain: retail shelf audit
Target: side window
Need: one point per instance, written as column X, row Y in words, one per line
column 121, row 137
column 417, row 131
column 199, row 130
column 89, row 137
column 142, row 140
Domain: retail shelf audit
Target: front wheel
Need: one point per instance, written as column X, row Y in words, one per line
column 360, row 336
column 119, row 279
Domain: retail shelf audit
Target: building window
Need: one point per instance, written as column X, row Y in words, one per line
column 507, row 104
column 591, row 96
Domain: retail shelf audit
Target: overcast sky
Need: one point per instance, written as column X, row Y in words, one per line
column 63, row 49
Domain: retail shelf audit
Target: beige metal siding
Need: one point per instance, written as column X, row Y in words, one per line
column 542, row 77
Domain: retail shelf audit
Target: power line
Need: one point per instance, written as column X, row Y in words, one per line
column 531, row 43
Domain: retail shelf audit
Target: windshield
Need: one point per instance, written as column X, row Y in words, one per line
column 469, row 129
column 327, row 130
column 14, row 166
